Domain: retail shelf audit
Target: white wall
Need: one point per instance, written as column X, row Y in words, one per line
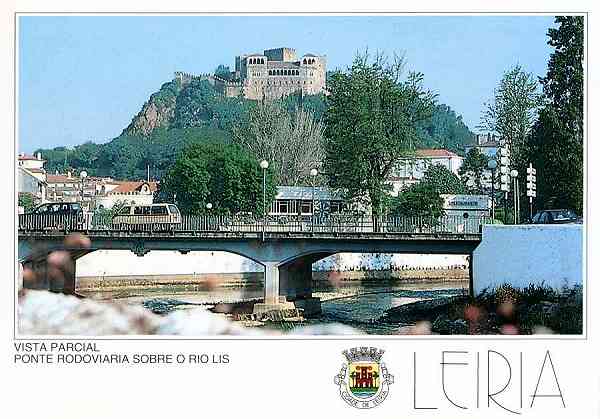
column 520, row 255
column 124, row 262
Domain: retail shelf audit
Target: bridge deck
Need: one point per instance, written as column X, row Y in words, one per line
column 281, row 227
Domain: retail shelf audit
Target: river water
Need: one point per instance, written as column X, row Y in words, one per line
column 355, row 304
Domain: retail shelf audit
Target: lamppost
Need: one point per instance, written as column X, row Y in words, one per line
column 209, row 206
column 82, row 176
column 492, row 165
column 514, row 173
column 313, row 175
column 264, row 165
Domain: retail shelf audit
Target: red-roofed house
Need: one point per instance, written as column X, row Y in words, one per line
column 27, row 161
column 412, row 170
column 131, row 192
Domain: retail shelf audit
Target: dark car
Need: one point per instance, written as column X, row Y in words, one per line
column 59, row 215
column 555, row 216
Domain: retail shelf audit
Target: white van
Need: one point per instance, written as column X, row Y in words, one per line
column 147, row 215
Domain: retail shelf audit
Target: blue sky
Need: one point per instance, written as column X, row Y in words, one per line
column 83, row 78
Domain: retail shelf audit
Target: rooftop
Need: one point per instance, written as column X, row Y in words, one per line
column 24, row 156
column 127, row 186
column 60, row 178
column 430, row 152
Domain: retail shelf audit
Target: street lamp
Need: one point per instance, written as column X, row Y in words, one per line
column 492, row 165
column 82, row 176
column 514, row 173
column 209, row 206
column 313, row 175
column 264, row 165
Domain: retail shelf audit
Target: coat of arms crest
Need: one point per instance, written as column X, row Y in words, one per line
column 364, row 380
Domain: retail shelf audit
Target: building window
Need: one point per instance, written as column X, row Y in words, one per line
column 306, row 207
column 283, row 207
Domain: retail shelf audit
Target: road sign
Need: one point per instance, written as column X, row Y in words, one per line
column 531, row 170
column 504, row 152
column 531, row 194
column 504, row 187
column 504, row 161
column 531, row 178
column 531, row 186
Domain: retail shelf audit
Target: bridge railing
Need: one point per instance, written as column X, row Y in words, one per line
column 334, row 223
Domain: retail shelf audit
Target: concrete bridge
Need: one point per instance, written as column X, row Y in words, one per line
column 286, row 246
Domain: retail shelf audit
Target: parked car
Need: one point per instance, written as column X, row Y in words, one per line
column 556, row 216
column 58, row 215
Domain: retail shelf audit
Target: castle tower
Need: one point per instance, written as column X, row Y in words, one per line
column 274, row 74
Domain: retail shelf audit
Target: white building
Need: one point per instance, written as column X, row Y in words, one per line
column 137, row 193
column 488, row 144
column 412, row 170
column 31, row 177
column 298, row 200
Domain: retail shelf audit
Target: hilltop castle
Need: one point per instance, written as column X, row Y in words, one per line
column 274, row 74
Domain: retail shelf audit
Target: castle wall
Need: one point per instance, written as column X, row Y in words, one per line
column 271, row 76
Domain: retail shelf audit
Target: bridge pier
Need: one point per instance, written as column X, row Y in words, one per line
column 272, row 301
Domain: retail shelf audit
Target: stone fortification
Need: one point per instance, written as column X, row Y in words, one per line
column 274, row 74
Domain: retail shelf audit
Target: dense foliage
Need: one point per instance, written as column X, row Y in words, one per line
column 556, row 144
column 27, row 201
column 194, row 112
column 444, row 129
column 473, row 170
column 224, row 175
column 370, row 125
column 423, row 198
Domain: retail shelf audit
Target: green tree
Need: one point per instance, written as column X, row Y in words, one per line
column 370, row 125
column 473, row 170
column 26, row 201
column 223, row 72
column 513, row 112
column 423, row 199
column 443, row 180
column 418, row 200
column 224, row 175
column 445, row 129
column 556, row 144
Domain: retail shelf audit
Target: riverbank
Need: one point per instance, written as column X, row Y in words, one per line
column 206, row 281
column 503, row 310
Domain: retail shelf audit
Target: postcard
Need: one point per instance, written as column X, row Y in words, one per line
column 281, row 214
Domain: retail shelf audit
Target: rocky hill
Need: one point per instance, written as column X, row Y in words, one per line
column 157, row 112
column 178, row 114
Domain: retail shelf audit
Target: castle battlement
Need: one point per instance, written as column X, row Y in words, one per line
column 276, row 73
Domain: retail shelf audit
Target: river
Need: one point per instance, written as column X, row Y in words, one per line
column 355, row 304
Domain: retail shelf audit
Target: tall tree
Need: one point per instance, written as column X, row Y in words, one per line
column 513, row 111
column 556, row 144
column 371, row 123
column 292, row 143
